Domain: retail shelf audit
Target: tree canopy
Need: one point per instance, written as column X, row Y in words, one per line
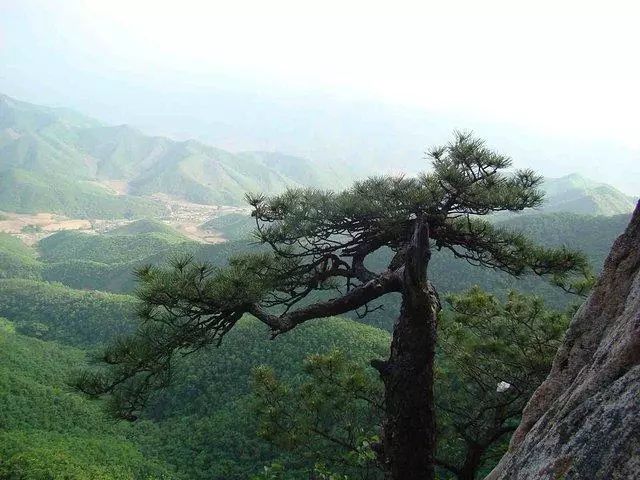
column 320, row 240
column 492, row 355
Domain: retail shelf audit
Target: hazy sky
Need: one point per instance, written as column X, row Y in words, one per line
column 563, row 67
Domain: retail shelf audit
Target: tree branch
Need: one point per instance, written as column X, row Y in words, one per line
column 386, row 282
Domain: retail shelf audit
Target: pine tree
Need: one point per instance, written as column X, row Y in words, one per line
column 319, row 241
column 492, row 355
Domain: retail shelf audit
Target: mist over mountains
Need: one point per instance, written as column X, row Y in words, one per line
column 338, row 128
column 60, row 161
column 55, row 159
column 386, row 308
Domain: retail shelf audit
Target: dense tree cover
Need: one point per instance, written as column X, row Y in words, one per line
column 12, row 245
column 54, row 312
column 120, row 278
column 49, row 159
column 23, row 191
column 17, row 260
column 48, row 432
column 330, row 418
column 577, row 194
column 316, row 237
column 68, row 245
column 211, row 380
column 146, row 225
column 70, row 257
column 224, row 436
column 204, row 426
column 208, row 409
column 492, row 355
column 203, row 423
column 592, row 235
column 232, row 226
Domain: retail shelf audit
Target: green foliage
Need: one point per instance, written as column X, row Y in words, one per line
column 50, row 154
column 17, row 260
column 71, row 316
column 118, row 277
column 48, row 432
column 24, row 191
column 330, row 417
column 108, row 249
column 204, row 174
column 333, row 413
column 208, row 408
column 213, row 383
column 576, row 194
column 592, row 235
column 232, row 226
column 493, row 355
column 317, row 240
column 202, row 422
column 14, row 246
column 38, row 455
column 148, row 226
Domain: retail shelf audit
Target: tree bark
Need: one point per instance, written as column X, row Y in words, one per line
column 472, row 461
column 409, row 433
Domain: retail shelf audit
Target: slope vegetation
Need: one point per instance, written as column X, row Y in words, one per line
column 47, row 156
column 577, row 194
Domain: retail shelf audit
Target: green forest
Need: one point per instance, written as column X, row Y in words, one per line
column 337, row 240
column 69, row 295
column 156, row 343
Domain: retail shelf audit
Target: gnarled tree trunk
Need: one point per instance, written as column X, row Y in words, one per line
column 409, row 433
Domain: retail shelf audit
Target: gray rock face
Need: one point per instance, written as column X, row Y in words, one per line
column 583, row 422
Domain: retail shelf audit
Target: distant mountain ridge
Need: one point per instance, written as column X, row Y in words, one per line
column 577, row 194
column 47, row 151
column 59, row 161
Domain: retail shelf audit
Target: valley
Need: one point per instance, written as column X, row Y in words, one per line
column 186, row 217
column 283, row 240
column 75, row 248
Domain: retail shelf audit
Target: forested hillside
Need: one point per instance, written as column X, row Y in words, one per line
column 58, row 161
column 107, row 261
column 46, row 431
column 577, row 194
column 298, row 241
column 65, row 294
column 202, row 428
column 213, row 391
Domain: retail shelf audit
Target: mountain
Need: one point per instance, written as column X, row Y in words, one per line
column 59, row 161
column 106, row 261
column 577, row 194
column 203, row 426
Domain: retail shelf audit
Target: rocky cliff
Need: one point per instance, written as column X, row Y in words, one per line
column 583, row 422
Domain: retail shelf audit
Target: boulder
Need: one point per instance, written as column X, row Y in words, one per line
column 583, row 422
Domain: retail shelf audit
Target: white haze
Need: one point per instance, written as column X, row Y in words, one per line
column 373, row 83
